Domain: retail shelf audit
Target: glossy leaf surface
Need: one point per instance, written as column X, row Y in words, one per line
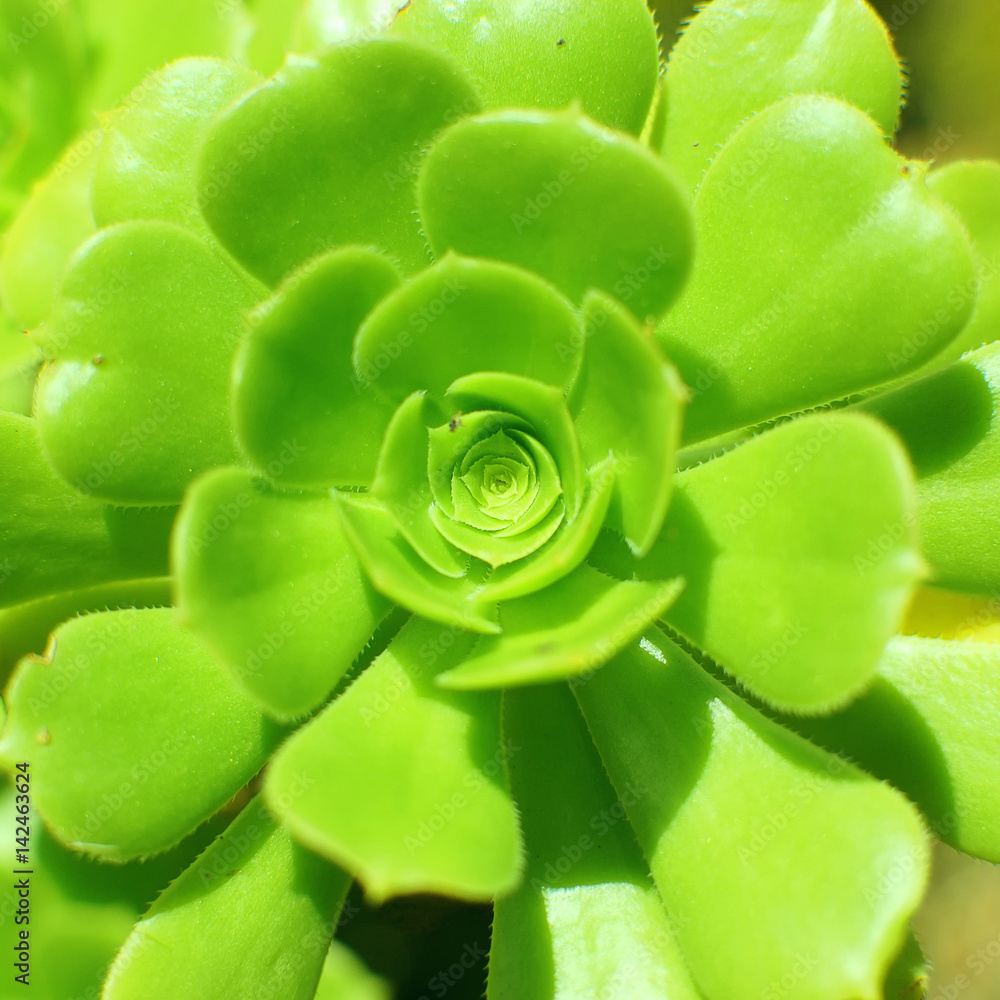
column 569, row 628
column 134, row 735
column 558, row 194
column 354, row 170
column 142, row 336
column 253, row 917
column 418, row 337
column 146, row 162
column 629, row 404
column 272, row 583
column 547, row 54
column 972, row 188
column 737, row 57
column 402, row 783
column 928, row 726
column 293, row 380
column 781, row 867
column 825, row 266
column 585, row 921
column 796, row 579
column 950, row 424
column 54, row 538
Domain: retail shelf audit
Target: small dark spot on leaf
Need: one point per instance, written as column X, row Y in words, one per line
column 695, row 143
column 905, row 169
column 455, row 422
column 97, row 359
column 562, row 41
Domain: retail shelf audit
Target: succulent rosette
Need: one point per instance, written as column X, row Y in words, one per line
column 548, row 455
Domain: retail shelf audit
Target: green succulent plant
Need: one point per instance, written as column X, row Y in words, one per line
column 497, row 469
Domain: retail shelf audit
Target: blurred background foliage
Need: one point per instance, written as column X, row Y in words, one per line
column 63, row 63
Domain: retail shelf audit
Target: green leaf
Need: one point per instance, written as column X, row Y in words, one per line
column 825, row 266
column 272, row 583
column 345, row 977
column 928, row 726
column 784, row 870
column 293, row 379
column 570, row 628
column 950, row 423
column 739, row 56
column 563, row 197
column 419, row 336
column 146, row 163
column 401, row 483
column 25, row 628
column 402, row 783
column 397, row 570
column 548, row 55
column 129, row 39
column 353, row 168
column 136, row 401
column 55, row 539
column 253, row 917
column 796, row 578
column 628, row 404
column 972, row 188
column 326, row 22
column 126, row 707
column 53, row 222
column 585, row 920
column 41, row 76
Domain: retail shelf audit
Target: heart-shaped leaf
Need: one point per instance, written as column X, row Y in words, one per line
column 796, row 579
column 116, row 719
column 253, row 917
column 950, row 423
column 569, row 628
column 824, row 266
column 972, row 188
column 584, row 877
column 928, row 726
column 293, row 379
column 628, row 403
column 737, row 57
column 784, row 870
column 418, row 338
column 563, row 197
column 146, row 163
column 326, row 154
column 272, row 583
column 54, row 538
column 54, row 221
column 136, row 401
column 603, row 56
column 402, row 783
